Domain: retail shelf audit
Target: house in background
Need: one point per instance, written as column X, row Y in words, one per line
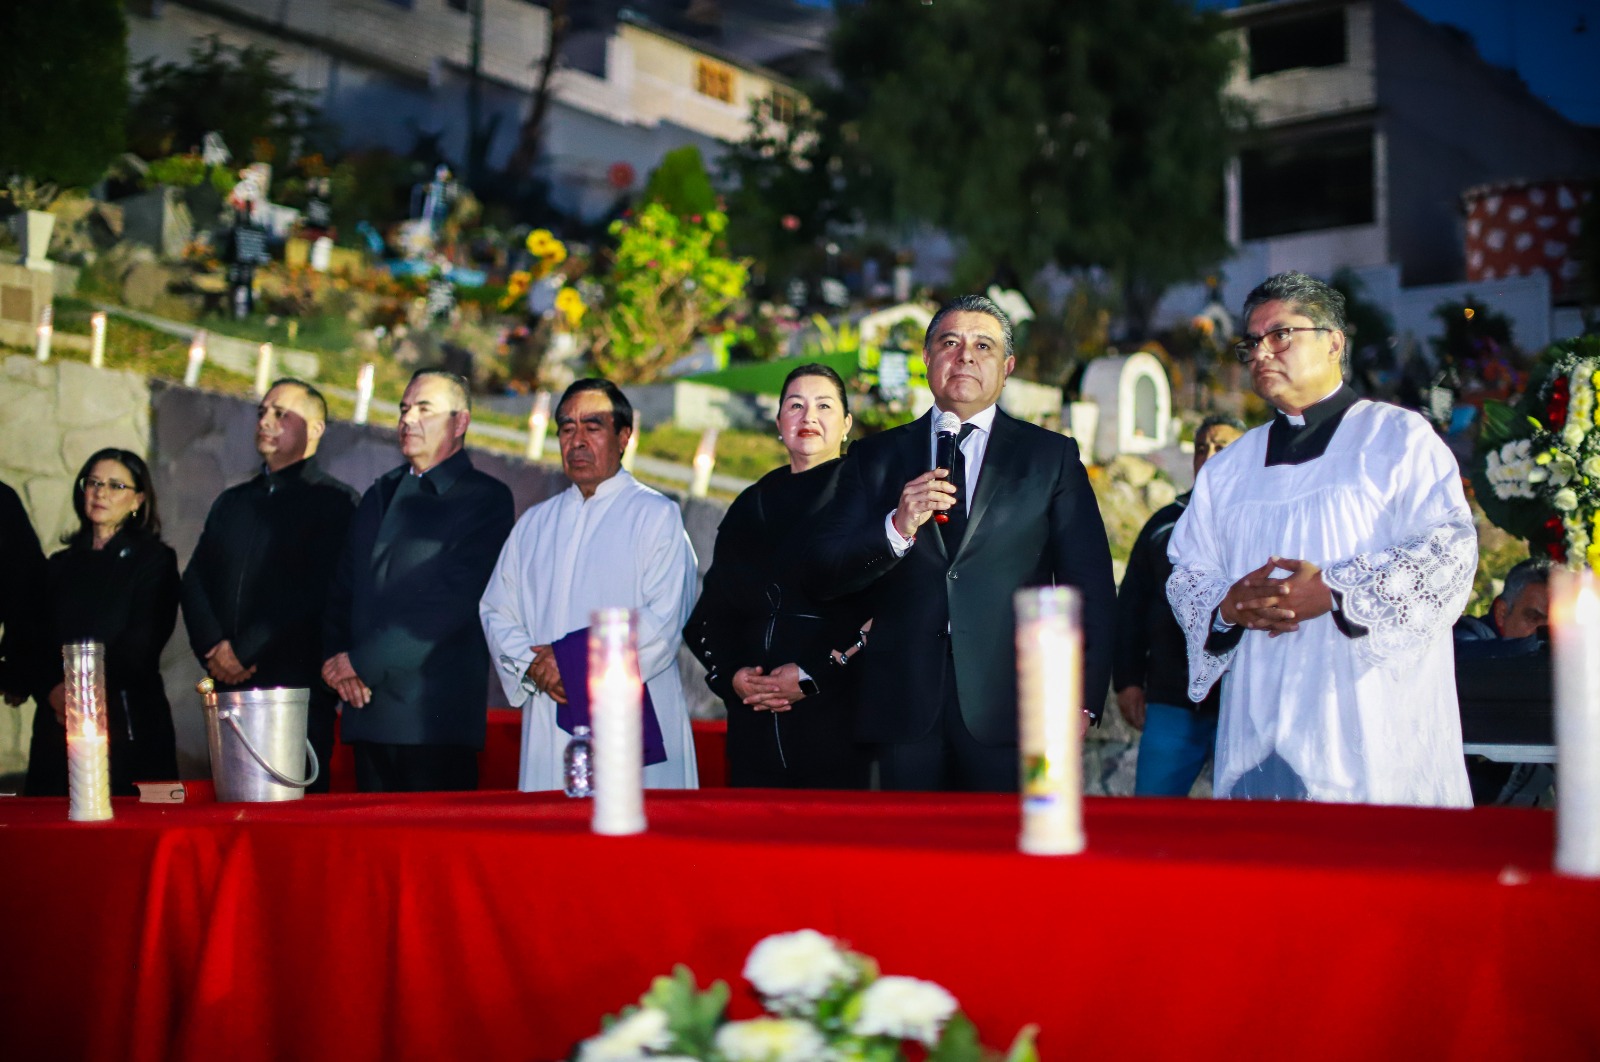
column 388, row 73
column 1372, row 126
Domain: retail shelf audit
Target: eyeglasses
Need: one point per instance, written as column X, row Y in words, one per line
column 1276, row 341
column 89, row 485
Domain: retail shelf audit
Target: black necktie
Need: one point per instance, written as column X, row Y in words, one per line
column 956, row 527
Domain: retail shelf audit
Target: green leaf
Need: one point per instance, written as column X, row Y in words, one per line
column 1023, row 1048
column 1500, row 425
column 692, row 1015
column 958, row 1042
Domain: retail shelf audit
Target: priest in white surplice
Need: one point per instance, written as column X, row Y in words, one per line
column 607, row 541
column 1317, row 572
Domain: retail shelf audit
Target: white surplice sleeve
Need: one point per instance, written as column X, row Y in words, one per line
column 1408, row 593
column 667, row 590
column 1197, row 586
column 504, row 627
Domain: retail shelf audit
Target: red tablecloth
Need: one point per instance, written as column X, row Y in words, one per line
column 490, row 926
column 501, row 757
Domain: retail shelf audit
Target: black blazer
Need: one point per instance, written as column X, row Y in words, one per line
column 404, row 604
column 259, row 575
column 1033, row 522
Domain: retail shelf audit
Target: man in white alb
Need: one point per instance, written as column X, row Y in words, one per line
column 607, row 541
column 1317, row 572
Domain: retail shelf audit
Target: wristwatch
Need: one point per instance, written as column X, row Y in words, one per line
column 809, row 687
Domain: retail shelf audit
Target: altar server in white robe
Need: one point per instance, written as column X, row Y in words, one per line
column 607, row 541
column 1317, row 572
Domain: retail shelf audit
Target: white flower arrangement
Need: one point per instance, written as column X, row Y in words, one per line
column 824, row 1003
column 904, row 1008
column 794, row 971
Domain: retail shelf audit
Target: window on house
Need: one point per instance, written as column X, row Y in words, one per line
column 1288, row 44
column 714, row 80
column 459, row 5
column 1303, row 185
column 785, row 105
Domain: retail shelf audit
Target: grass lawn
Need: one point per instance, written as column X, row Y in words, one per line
column 766, row 377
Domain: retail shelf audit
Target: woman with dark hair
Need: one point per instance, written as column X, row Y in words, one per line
column 115, row 583
column 774, row 654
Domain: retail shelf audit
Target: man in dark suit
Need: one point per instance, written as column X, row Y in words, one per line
column 406, row 651
column 287, row 523
column 938, row 675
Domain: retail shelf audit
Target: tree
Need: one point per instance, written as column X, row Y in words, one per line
column 237, row 92
column 666, row 284
column 63, row 81
column 1039, row 132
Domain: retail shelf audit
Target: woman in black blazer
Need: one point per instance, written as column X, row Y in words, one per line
column 116, row 583
column 772, row 652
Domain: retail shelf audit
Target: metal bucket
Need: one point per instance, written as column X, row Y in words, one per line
column 258, row 743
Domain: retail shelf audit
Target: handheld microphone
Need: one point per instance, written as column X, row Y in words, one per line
column 944, row 451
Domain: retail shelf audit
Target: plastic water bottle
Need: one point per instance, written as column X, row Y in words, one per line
column 577, row 764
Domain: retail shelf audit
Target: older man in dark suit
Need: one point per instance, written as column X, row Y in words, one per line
column 407, row 654
column 938, row 674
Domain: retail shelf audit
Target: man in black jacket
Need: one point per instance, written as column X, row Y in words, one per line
column 406, row 652
column 1150, row 661
column 256, row 587
column 25, row 652
column 938, row 680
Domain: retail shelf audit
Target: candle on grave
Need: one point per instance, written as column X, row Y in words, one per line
column 1050, row 689
column 263, row 369
column 197, row 358
column 46, row 331
column 705, row 459
column 364, row 380
column 632, row 449
column 538, row 425
column 1575, row 645
column 616, row 713
column 97, row 340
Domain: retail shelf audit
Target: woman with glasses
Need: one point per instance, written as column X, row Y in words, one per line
column 115, row 583
column 774, row 654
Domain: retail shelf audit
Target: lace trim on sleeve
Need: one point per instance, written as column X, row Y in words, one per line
column 1194, row 593
column 1407, row 594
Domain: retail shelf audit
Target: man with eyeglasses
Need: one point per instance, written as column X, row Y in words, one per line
column 405, row 651
column 288, row 522
column 1317, row 572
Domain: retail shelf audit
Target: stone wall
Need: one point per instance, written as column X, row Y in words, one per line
column 52, row 417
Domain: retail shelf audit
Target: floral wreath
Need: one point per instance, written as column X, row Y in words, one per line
column 1539, row 473
column 823, row 1002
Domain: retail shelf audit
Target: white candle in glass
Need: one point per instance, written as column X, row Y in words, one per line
column 197, row 358
column 264, row 361
column 705, row 459
column 88, row 750
column 1050, row 689
column 617, row 719
column 46, row 332
column 97, row 339
column 364, row 382
column 1575, row 634
column 538, row 425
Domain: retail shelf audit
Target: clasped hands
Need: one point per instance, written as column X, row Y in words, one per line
column 769, row 692
column 1260, row 602
column 545, row 675
column 339, row 673
column 223, row 664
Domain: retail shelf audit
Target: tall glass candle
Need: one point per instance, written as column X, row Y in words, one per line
column 616, row 699
column 630, row 451
column 264, row 360
column 46, row 332
column 1575, row 637
column 88, row 747
column 1050, row 692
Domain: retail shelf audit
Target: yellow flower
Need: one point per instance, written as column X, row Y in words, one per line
column 570, row 304
column 516, row 287
column 540, row 241
column 1593, row 556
